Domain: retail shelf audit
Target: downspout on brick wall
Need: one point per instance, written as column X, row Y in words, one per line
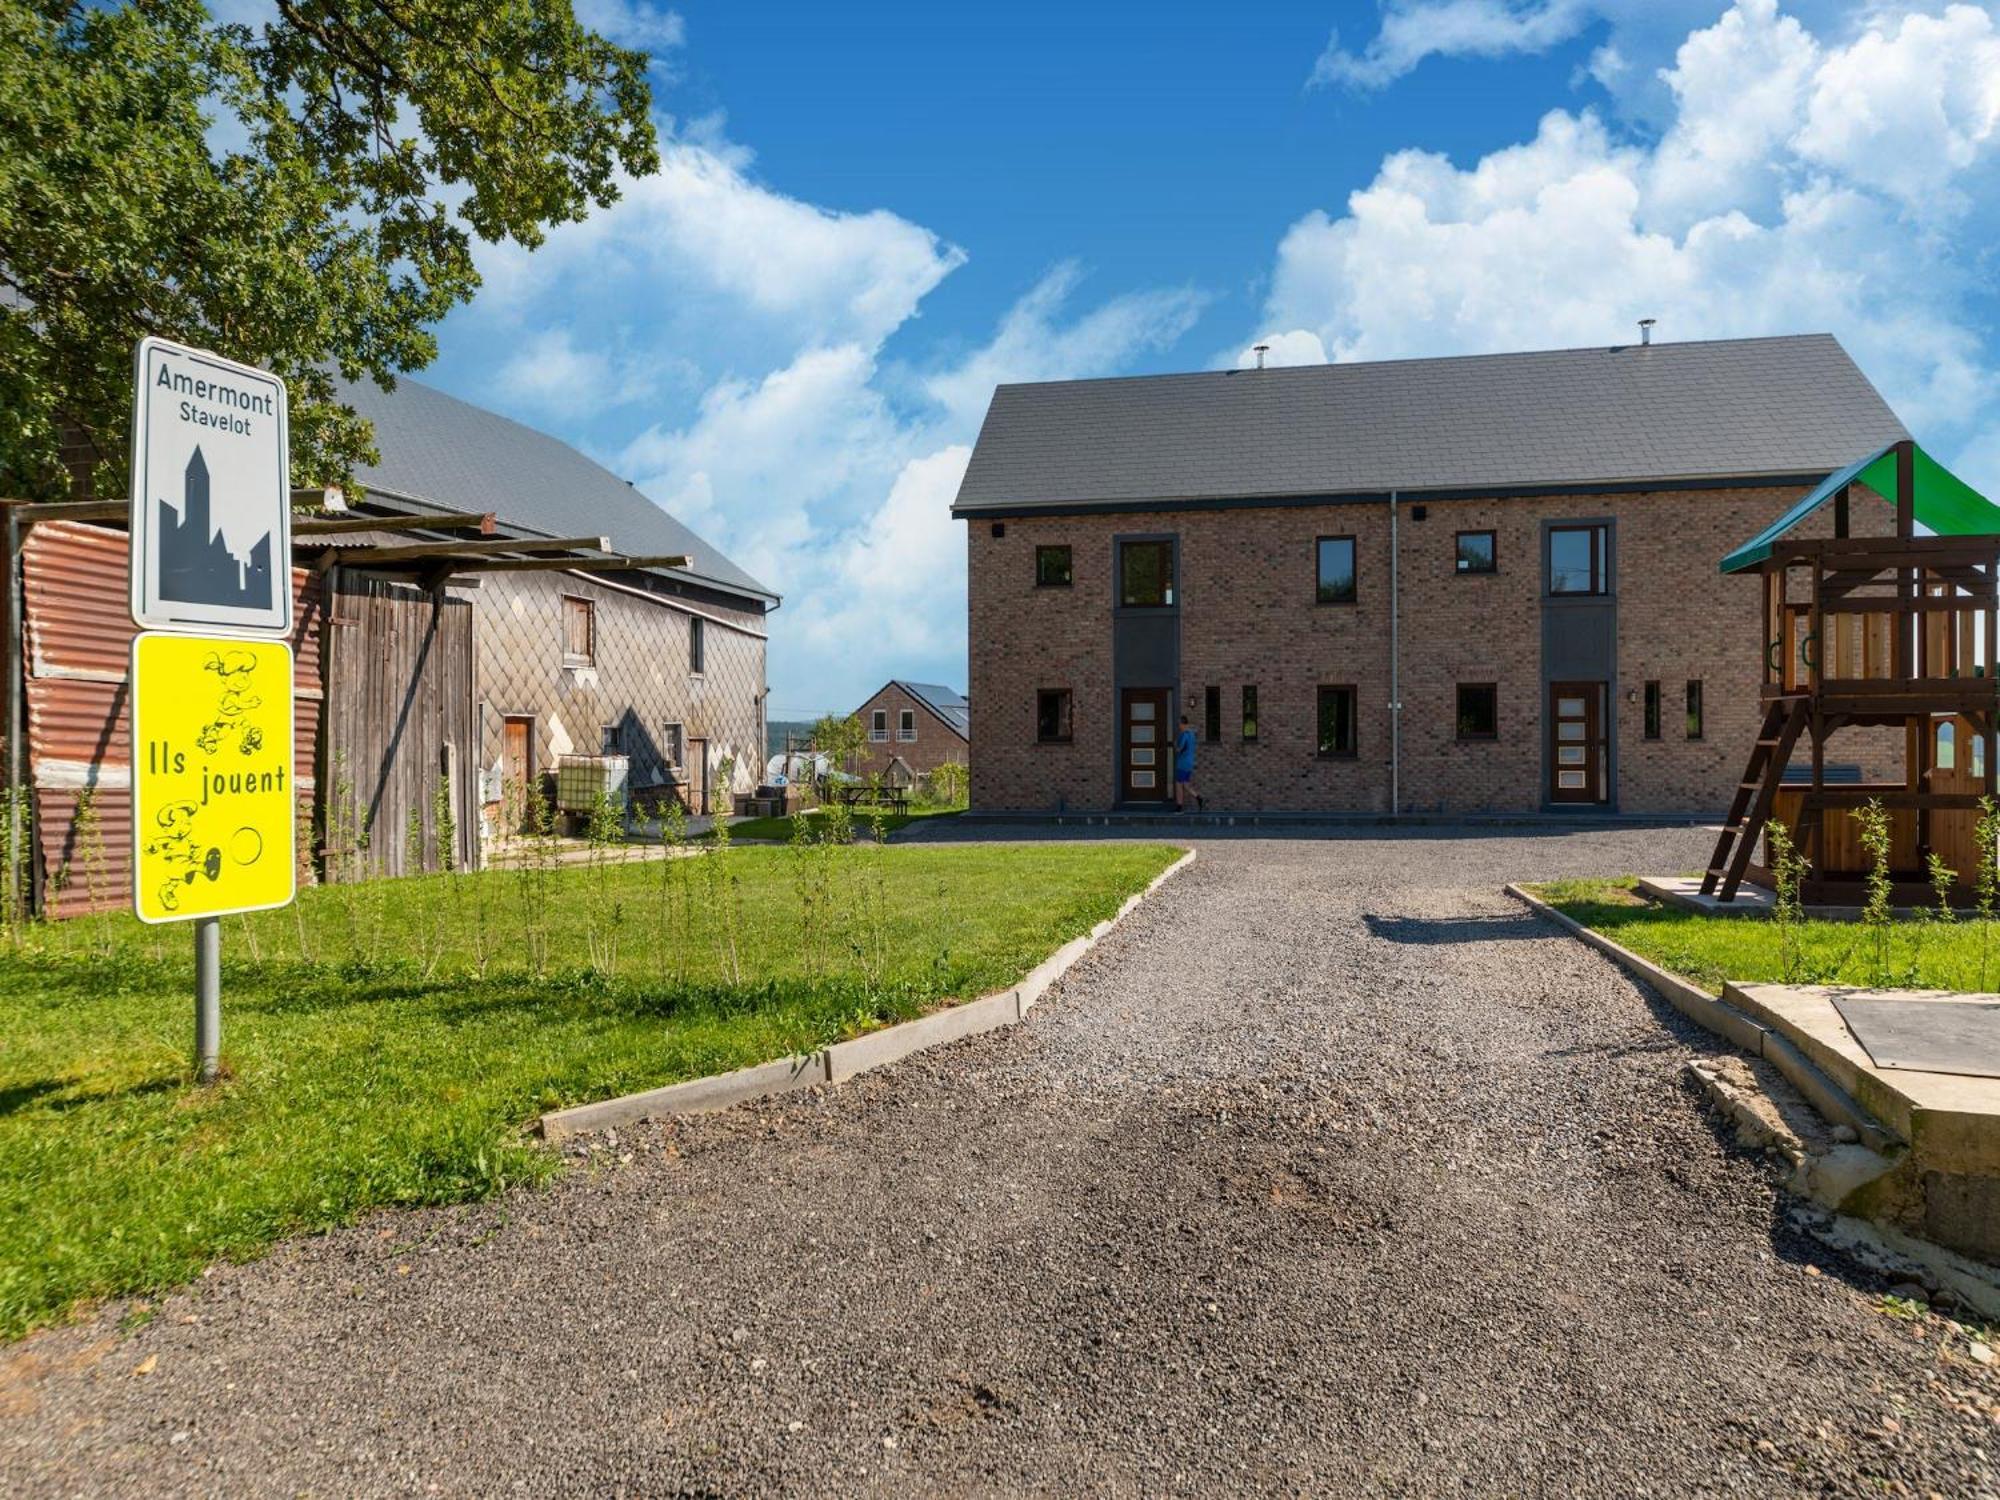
column 1395, row 670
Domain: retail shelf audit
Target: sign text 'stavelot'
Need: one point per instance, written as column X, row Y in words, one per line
column 211, row 494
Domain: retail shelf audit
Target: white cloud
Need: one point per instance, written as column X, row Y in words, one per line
column 1770, row 202
column 790, row 273
column 1031, row 345
column 634, row 23
column 1907, row 110
column 1413, row 30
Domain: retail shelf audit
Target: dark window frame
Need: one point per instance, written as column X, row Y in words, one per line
column 611, row 739
column 674, row 750
column 1249, row 720
column 1066, row 712
column 1049, row 550
column 1600, row 559
column 1353, row 694
column 906, row 726
column 1211, row 714
column 697, row 646
column 1655, row 718
column 1166, row 549
column 878, row 726
column 1492, row 552
column 1696, row 729
column 1353, row 594
column 1459, row 732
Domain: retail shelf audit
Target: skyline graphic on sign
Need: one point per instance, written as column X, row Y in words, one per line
column 196, row 565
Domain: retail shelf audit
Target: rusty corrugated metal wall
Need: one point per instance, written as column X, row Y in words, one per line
column 401, row 723
column 79, row 731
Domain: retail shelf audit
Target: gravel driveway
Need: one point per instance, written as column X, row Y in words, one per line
column 1329, row 1172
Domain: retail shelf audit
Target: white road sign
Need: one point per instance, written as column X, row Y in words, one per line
column 211, row 494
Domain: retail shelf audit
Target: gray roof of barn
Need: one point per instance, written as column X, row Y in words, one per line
column 946, row 703
column 1724, row 409
column 451, row 453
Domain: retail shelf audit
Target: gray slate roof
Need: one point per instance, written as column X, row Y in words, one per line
column 942, row 701
column 1729, row 408
column 451, row 453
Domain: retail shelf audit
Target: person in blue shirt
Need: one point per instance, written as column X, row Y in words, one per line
column 1184, row 769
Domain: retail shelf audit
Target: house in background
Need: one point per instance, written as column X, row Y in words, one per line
column 910, row 729
column 1484, row 583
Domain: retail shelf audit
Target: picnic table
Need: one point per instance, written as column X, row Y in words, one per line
column 895, row 798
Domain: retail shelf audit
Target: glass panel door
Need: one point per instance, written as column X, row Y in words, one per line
column 1579, row 750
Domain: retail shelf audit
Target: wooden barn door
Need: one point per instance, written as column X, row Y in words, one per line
column 401, row 723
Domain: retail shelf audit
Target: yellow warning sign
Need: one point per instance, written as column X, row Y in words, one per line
column 214, row 808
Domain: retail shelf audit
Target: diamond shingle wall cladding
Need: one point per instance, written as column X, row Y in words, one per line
column 1247, row 616
column 640, row 682
column 935, row 742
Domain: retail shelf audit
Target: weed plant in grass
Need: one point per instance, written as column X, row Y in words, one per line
column 385, row 1046
column 1918, row 952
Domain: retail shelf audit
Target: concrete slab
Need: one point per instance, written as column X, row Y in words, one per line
column 1951, row 1121
column 697, row 1096
column 1684, row 891
column 988, row 1013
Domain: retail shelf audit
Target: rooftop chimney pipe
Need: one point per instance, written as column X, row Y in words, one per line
column 1646, row 330
column 1260, row 350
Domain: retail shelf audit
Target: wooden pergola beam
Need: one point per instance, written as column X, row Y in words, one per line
column 445, row 551
column 309, row 526
column 575, row 564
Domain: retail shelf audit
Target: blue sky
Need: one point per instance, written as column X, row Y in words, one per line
column 868, row 215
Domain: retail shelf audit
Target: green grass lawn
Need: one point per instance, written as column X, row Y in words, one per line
column 369, row 1061
column 1921, row 953
column 780, row 829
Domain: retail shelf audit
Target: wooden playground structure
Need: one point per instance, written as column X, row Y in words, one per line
column 1891, row 632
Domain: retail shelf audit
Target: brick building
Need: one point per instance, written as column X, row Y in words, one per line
column 1520, row 550
column 910, row 729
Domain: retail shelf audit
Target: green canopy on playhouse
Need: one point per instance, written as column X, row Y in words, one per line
column 1945, row 504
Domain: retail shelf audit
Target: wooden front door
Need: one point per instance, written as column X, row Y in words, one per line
column 1577, row 750
column 697, row 772
column 1145, row 746
column 517, row 770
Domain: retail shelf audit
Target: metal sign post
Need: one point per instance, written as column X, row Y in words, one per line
column 207, row 998
column 214, row 797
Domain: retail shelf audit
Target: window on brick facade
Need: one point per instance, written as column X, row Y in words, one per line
column 1653, row 710
column 1052, row 716
column 878, row 725
column 1337, row 732
column 1052, row 568
column 697, row 644
column 579, row 631
column 1478, row 711
column 906, row 724
column 1694, row 708
column 1476, row 553
column 1249, row 712
column 1577, row 560
column 1146, row 574
column 1211, row 714
column 1334, row 583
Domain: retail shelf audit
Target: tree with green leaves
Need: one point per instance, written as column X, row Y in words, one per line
column 302, row 194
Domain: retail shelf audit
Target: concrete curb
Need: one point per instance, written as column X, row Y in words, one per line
column 844, row 1060
column 1835, row 1105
